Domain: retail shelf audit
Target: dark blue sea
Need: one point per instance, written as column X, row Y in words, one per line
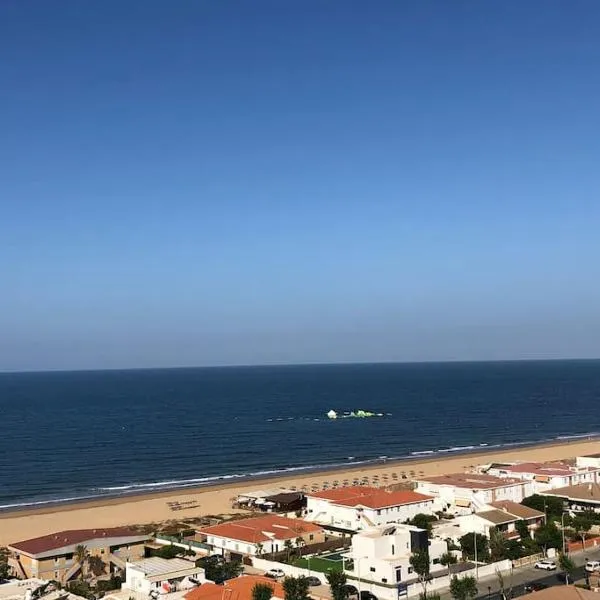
column 70, row 435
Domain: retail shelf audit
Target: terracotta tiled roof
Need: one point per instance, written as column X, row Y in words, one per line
column 518, row 510
column 54, row 541
column 562, row 592
column 239, row 588
column 370, row 497
column 474, row 481
column 255, row 530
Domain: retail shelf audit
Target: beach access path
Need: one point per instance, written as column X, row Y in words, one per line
column 217, row 500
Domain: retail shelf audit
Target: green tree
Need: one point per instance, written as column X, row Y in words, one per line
column 80, row 588
column 548, row 536
column 295, row 588
column 551, row 506
column 288, row 548
column 169, row 551
column 262, row 591
column 423, row 521
column 568, row 567
column 467, row 544
column 4, row 563
column 80, row 556
column 522, row 529
column 220, row 572
column 300, row 543
column 447, row 560
column 337, row 582
column 464, row 588
column 497, row 545
column 582, row 524
column 96, row 565
column 420, row 563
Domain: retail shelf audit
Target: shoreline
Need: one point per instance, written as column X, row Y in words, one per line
column 214, row 499
column 235, row 481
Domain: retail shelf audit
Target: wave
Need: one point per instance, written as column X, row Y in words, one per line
column 174, row 484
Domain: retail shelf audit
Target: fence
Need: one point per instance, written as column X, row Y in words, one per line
column 193, row 545
column 290, row 570
column 590, row 543
column 527, row 560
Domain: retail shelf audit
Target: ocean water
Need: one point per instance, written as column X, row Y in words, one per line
column 70, row 435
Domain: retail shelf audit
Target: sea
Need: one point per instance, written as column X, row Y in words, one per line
column 68, row 436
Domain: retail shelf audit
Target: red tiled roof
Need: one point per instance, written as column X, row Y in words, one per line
column 254, row 530
column 370, row 497
column 239, row 588
column 54, row 541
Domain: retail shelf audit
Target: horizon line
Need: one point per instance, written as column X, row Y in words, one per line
column 300, row 364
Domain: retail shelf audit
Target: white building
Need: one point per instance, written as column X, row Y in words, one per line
column 261, row 535
column 589, row 460
column 381, row 555
column 547, row 476
column 357, row 508
column 154, row 576
column 502, row 516
column 464, row 493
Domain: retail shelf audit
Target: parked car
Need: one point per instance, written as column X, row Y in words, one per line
column 366, row 595
column 351, row 590
column 275, row 573
column 534, row 586
column 546, row 565
column 592, row 565
column 313, row 581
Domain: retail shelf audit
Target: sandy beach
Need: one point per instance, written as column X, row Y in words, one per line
column 156, row 508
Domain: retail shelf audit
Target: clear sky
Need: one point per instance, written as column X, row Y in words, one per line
column 212, row 182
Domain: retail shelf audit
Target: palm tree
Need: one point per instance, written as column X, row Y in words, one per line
column 80, row 556
column 259, row 549
column 96, row 565
column 299, row 544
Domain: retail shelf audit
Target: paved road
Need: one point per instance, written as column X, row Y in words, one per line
column 489, row 589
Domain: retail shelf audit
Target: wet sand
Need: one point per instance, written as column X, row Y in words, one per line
column 215, row 500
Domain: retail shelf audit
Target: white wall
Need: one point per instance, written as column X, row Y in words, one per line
column 323, row 512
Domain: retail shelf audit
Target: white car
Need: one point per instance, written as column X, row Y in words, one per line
column 592, row 565
column 546, row 565
column 274, row 573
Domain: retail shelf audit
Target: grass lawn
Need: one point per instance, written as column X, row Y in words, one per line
column 320, row 564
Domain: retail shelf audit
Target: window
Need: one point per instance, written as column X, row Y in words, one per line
column 399, row 574
column 436, row 561
column 372, row 569
column 56, row 575
column 378, row 512
column 311, row 537
column 384, row 580
column 101, row 550
column 410, row 570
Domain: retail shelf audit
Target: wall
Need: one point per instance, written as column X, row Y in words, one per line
column 264, row 565
column 351, row 518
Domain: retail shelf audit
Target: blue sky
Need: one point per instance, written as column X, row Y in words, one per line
column 198, row 183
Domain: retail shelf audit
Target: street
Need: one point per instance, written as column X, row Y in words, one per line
column 489, row 587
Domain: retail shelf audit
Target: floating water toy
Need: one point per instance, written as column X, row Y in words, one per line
column 359, row 414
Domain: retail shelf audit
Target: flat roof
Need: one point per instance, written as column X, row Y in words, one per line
column 584, row 492
column 475, row 481
column 157, row 566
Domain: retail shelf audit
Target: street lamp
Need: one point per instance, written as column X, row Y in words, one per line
column 357, row 561
column 562, row 523
column 476, row 563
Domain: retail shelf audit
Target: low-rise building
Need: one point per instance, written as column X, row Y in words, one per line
column 547, row 476
column 502, row 516
column 53, row 556
column 464, row 493
column 359, row 507
column 585, row 496
column 588, row 460
column 261, row 535
column 239, row 588
column 154, row 576
column 381, row 555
